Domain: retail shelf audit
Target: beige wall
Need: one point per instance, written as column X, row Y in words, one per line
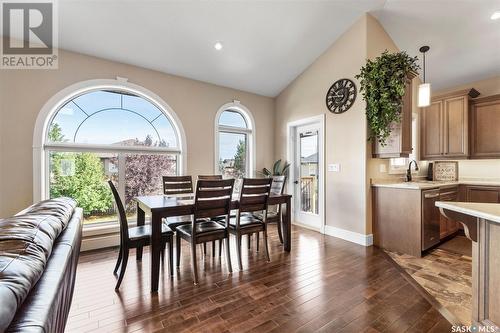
column 345, row 139
column 24, row 92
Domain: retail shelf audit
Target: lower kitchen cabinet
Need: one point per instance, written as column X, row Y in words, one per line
column 486, row 194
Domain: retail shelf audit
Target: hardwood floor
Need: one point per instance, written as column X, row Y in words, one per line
column 324, row 285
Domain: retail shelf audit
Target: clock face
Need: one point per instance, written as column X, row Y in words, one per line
column 341, row 96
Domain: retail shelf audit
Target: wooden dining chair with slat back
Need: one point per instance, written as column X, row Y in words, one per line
column 212, row 199
column 253, row 198
column 177, row 185
column 136, row 237
column 211, row 177
column 274, row 212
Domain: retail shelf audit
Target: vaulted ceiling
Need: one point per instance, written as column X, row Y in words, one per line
column 266, row 44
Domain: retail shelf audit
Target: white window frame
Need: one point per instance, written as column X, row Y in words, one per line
column 41, row 146
column 236, row 106
column 401, row 169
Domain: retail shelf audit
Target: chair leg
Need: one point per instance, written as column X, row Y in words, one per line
column 139, row 253
column 249, row 236
column 171, row 255
column 204, row 249
column 195, row 264
column 123, row 268
column 220, row 247
column 118, row 261
column 280, row 232
column 238, row 251
column 178, row 250
column 228, row 254
column 163, row 252
column 265, row 244
column 258, row 241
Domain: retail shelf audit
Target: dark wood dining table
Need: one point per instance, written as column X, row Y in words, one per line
column 162, row 206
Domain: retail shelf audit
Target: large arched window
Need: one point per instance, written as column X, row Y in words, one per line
column 108, row 133
column 234, row 151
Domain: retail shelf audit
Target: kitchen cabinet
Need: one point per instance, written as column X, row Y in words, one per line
column 485, row 125
column 447, row 227
column 399, row 144
column 485, row 194
column 444, row 129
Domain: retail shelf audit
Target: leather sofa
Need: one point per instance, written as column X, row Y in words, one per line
column 39, row 250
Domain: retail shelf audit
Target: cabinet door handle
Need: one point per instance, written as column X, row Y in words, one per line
column 448, row 193
column 430, row 196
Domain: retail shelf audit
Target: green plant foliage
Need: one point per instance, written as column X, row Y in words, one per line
column 83, row 180
column 277, row 170
column 383, row 86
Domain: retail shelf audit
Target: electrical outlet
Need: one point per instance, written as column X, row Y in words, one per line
column 334, row 167
column 382, row 168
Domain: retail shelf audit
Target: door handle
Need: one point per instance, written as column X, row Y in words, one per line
column 296, row 182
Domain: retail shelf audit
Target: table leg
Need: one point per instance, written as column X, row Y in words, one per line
column 156, row 248
column 287, row 225
column 141, row 216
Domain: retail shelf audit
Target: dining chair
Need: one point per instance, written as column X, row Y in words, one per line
column 211, row 177
column 175, row 185
column 274, row 212
column 212, row 199
column 136, row 237
column 253, row 198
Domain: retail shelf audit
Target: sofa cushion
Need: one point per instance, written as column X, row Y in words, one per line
column 26, row 242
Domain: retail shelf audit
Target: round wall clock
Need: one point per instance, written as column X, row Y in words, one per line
column 341, row 96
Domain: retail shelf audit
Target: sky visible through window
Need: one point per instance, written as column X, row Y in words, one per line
column 228, row 142
column 104, row 117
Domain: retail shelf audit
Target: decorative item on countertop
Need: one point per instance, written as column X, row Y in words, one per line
column 383, row 82
column 445, row 170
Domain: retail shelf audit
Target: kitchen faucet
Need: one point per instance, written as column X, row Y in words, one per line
column 408, row 172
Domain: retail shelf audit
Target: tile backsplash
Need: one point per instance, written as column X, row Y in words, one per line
column 480, row 169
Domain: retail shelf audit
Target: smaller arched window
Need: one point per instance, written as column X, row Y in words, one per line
column 234, row 141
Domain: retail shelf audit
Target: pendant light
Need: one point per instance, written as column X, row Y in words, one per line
column 424, row 90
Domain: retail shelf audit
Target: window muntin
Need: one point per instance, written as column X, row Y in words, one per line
column 113, row 118
column 113, row 135
column 233, row 119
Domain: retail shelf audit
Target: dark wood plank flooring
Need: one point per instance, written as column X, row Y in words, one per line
column 324, row 285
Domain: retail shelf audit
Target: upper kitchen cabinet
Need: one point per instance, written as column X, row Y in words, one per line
column 398, row 144
column 485, row 125
column 444, row 126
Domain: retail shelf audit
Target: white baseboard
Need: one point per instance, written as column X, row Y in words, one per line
column 100, row 242
column 307, row 226
column 354, row 237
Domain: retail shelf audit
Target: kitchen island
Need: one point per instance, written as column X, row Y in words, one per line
column 481, row 222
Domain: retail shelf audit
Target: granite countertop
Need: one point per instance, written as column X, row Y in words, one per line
column 487, row 211
column 426, row 184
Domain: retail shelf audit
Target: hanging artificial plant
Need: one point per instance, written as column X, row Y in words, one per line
column 383, row 86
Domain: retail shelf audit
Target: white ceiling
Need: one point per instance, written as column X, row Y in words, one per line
column 268, row 43
column 464, row 41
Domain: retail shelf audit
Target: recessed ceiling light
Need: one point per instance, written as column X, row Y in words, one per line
column 496, row 15
column 218, row 46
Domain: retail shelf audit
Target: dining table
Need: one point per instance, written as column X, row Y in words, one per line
column 159, row 207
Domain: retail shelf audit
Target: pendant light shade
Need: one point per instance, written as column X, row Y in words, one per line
column 424, row 90
column 424, row 95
